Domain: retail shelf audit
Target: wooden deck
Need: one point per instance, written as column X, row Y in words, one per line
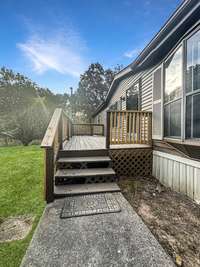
column 77, row 143
column 85, row 143
column 84, row 146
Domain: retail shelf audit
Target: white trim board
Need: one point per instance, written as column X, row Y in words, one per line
column 180, row 174
column 189, row 162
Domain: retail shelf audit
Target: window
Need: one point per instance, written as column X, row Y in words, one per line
column 113, row 107
column 193, row 86
column 173, row 95
column 99, row 119
column 132, row 97
column 132, row 102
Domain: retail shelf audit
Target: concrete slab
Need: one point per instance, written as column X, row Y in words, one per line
column 115, row 239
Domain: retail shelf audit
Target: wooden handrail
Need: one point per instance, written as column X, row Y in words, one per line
column 49, row 136
column 123, row 127
column 128, row 111
column 88, row 129
column 58, row 130
column 129, row 127
column 93, row 124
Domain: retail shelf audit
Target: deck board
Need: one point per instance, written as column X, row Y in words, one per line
column 85, row 188
column 77, row 143
column 85, row 143
column 84, row 172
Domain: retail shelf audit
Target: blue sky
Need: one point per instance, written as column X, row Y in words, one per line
column 53, row 41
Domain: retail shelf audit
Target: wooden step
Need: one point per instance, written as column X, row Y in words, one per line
column 83, row 153
column 73, row 173
column 84, row 159
column 77, row 189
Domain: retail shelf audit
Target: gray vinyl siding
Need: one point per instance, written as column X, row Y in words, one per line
column 122, row 87
column 147, row 90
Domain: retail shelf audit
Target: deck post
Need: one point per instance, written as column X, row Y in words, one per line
column 91, row 130
column 49, row 175
column 150, row 130
column 108, row 130
column 60, row 133
column 103, row 133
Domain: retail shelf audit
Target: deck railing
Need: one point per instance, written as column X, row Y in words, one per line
column 59, row 130
column 88, row 129
column 129, row 127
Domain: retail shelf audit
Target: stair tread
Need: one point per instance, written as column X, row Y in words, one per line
column 83, row 159
column 85, row 188
column 84, row 172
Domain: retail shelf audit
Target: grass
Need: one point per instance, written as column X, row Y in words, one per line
column 21, row 193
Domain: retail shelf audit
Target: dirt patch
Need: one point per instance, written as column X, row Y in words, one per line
column 15, row 228
column 173, row 218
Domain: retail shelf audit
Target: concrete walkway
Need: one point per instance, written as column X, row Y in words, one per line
column 107, row 240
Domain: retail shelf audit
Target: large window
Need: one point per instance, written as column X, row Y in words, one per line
column 132, row 97
column 193, row 87
column 173, row 95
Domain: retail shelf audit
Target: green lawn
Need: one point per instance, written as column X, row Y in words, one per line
column 21, row 193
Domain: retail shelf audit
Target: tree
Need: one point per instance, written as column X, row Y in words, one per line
column 25, row 107
column 110, row 74
column 93, row 87
column 31, row 124
column 16, row 92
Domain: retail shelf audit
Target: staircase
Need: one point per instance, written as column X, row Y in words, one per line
column 83, row 172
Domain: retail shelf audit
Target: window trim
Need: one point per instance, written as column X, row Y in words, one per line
column 161, row 66
column 176, row 99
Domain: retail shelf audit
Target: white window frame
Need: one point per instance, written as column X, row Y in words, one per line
column 181, row 44
column 158, row 137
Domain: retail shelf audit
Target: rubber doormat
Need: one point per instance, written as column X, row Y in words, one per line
column 75, row 206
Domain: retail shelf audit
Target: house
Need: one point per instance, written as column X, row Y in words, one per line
column 165, row 80
column 149, row 123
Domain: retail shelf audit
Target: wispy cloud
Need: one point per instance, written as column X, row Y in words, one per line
column 132, row 53
column 61, row 51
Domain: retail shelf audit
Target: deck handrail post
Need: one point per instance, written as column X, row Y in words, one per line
column 91, row 130
column 49, row 174
column 103, row 130
column 67, row 130
column 108, row 130
column 60, row 133
column 150, row 130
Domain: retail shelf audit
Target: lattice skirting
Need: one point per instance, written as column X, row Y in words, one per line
column 132, row 162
